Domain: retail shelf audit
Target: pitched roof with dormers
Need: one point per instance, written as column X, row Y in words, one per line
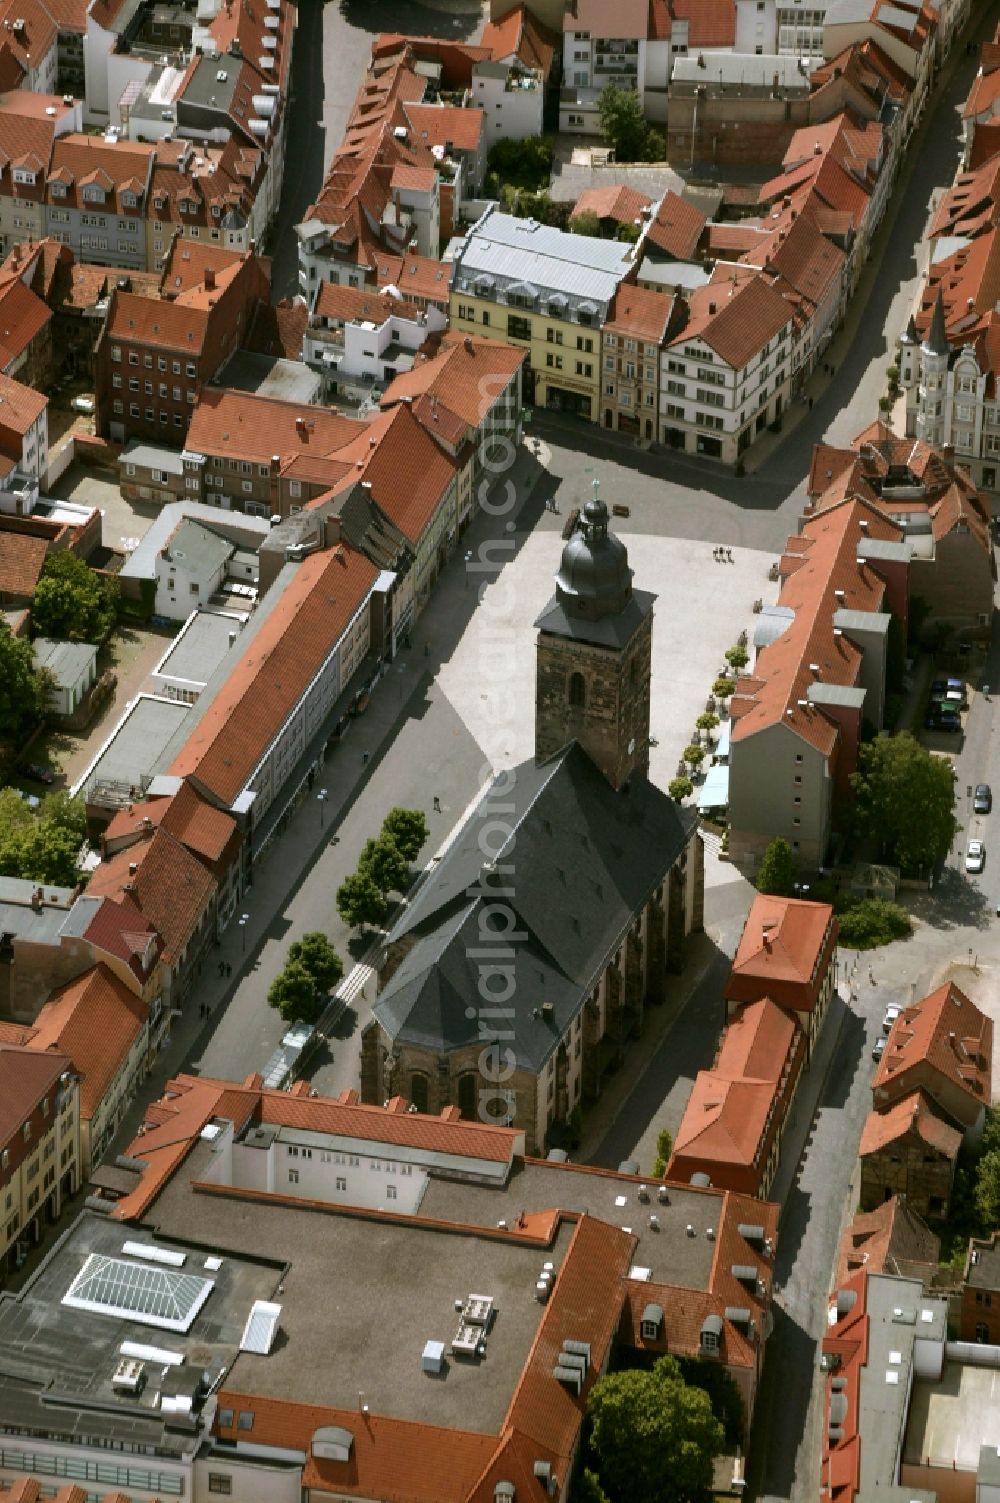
column 886, row 1239
column 784, row 950
column 466, row 376
column 238, row 425
column 947, row 1033
column 26, row 1076
column 821, row 574
column 736, row 320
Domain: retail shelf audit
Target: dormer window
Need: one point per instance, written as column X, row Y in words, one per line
column 652, row 1322
column 130, row 201
column 58, row 190
column 23, row 175
column 188, row 206
column 711, row 1336
column 217, row 211
column 92, row 194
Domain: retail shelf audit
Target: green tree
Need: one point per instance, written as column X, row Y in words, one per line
column 384, row 862
column 905, row 801
column 408, row 828
column 23, row 689
column 587, row 1489
column 33, row 848
column 737, row 657
column 693, row 754
column 664, row 1148
column 628, row 232
column 777, row 870
column 988, row 1188
column 872, row 922
column 521, row 164
column 67, row 813
column 585, row 224
column 623, row 124
column 293, row 992
column 680, row 789
column 73, row 603
column 315, row 952
column 654, row 1437
column 723, row 687
column 707, row 722
column 359, row 901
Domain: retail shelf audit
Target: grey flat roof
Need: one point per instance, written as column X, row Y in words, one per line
column 46, row 1345
column 135, row 746
column 836, row 694
column 673, row 273
column 740, row 68
column 988, row 1470
column 670, row 1254
column 956, row 1418
column 66, row 661
column 234, row 525
column 197, row 550
column 362, row 1296
column 272, row 376
column 883, row 1399
column 877, row 621
column 17, row 916
column 523, row 250
column 984, row 1271
column 151, row 457
column 207, row 89
column 877, row 548
column 200, row 646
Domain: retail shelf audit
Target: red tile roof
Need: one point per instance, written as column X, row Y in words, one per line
column 620, row 203
column 318, row 604
column 94, row 1020
column 20, row 407
column 408, row 472
column 170, row 888
column 725, row 1121
column 947, row 1032
column 26, row 1076
column 676, row 227
column 785, row 947
column 640, row 313
column 23, row 316
column 445, row 125
column 237, row 425
column 353, row 1119
column 881, row 1241
column 21, row 562
column 910, row 1114
column 822, row 575
column 736, row 321
column 519, row 34
column 352, row 304
column 467, row 376
column 418, row 278
column 122, row 932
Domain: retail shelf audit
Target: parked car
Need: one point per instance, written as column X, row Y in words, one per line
column 975, row 856
column 982, row 802
column 891, row 1014
column 31, row 799
column 82, row 404
column 947, row 720
column 879, row 1049
column 37, row 773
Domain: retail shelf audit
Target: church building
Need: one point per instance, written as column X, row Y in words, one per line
column 525, row 960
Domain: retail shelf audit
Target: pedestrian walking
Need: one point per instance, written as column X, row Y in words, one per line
column 364, row 758
column 810, row 404
column 729, row 555
column 222, row 967
column 437, row 804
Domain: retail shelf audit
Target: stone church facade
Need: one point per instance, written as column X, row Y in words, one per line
column 600, row 879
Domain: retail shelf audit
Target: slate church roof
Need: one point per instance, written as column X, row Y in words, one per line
column 584, row 860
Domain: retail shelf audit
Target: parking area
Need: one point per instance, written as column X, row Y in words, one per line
column 92, row 487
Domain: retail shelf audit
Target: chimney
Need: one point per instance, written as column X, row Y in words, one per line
column 209, row 278
column 332, row 530
column 147, row 823
column 467, row 341
column 132, row 868
column 711, row 307
column 37, row 899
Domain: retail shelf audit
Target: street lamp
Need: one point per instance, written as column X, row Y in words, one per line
column 468, row 561
column 244, row 920
column 321, row 799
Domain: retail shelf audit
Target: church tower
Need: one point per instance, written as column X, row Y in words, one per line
column 594, row 655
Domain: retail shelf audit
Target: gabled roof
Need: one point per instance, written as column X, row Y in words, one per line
column 948, row 1033
column 676, row 228
column 317, row 605
column 467, row 376
column 621, row 203
column 736, row 321
column 21, row 561
column 601, row 852
column 205, row 830
column 521, row 35
column 783, row 941
column 25, row 1077
column 117, row 928
column 640, row 313
column 883, row 1240
column 725, row 1120
column 170, row 888
column 94, row 1020
column 238, row 425
column 913, row 1114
